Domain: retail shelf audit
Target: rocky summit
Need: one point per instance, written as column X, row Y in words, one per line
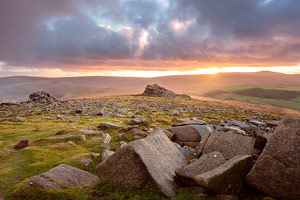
column 144, row 147
column 158, row 91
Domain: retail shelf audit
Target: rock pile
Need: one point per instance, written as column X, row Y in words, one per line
column 42, row 97
column 158, row 91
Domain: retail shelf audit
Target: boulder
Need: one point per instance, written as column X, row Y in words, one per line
column 277, row 171
column 188, row 135
column 229, row 144
column 107, row 126
column 63, row 176
column 228, row 178
column 106, row 138
column 185, row 175
column 148, row 163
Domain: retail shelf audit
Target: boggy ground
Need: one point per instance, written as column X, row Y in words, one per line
column 35, row 121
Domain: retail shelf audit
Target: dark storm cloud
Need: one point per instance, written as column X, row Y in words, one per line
column 66, row 33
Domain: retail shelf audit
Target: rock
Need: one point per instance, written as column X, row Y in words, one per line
column 106, row 153
column 185, row 175
column 148, row 163
column 42, row 97
column 86, row 161
column 257, row 123
column 188, row 135
column 228, row 178
column 129, row 128
column 158, row 91
column 272, row 124
column 63, row 176
column 21, row 145
column 64, row 138
column 277, row 171
column 106, row 138
column 186, row 151
column 107, row 126
column 1, row 142
column 91, row 132
column 139, row 121
column 138, row 132
column 95, row 155
column 191, row 122
column 229, row 144
column 233, row 129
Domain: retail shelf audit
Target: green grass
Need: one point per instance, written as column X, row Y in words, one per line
column 292, row 104
column 18, row 167
column 242, row 87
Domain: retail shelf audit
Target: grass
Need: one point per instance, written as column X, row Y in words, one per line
column 18, row 167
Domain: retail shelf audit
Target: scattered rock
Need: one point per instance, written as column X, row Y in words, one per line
column 1, row 142
column 191, row 122
column 86, row 161
column 106, row 154
column 63, row 176
column 95, row 155
column 107, row 126
column 272, row 124
column 186, row 151
column 91, row 132
column 185, row 175
column 227, row 178
column 138, row 132
column 277, row 171
column 106, row 138
column 229, row 144
column 148, row 163
column 21, row 145
column 139, row 122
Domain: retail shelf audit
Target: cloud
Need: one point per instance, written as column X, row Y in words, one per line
column 99, row 34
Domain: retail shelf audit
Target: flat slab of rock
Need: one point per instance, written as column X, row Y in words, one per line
column 107, row 126
column 91, row 132
column 227, row 178
column 277, row 171
column 191, row 122
column 148, row 163
column 185, row 175
column 229, row 144
column 63, row 176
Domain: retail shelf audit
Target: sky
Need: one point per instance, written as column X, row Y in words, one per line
column 147, row 38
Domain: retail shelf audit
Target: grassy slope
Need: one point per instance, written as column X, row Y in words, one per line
column 17, row 168
column 292, row 103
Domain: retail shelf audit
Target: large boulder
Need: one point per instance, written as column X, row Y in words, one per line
column 227, row 178
column 148, row 163
column 189, row 135
column 277, row 171
column 63, row 176
column 158, row 91
column 185, row 175
column 229, row 144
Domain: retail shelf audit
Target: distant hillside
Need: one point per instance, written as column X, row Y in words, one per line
column 18, row 88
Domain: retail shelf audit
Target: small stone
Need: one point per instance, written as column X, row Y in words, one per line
column 106, row 138
column 21, row 145
column 106, row 154
column 86, row 161
column 95, row 155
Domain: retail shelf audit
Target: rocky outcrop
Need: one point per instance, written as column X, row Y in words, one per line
column 229, row 144
column 277, row 171
column 158, row 91
column 185, row 175
column 148, row 163
column 227, row 178
column 42, row 97
column 63, row 176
